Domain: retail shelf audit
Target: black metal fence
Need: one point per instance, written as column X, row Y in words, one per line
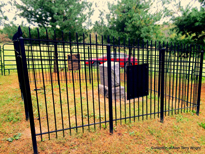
column 72, row 86
column 8, row 62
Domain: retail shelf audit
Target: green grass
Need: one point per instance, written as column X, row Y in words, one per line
column 202, row 125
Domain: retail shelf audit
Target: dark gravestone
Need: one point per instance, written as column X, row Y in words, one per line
column 74, row 64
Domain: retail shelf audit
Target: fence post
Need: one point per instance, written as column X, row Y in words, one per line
column 28, row 94
column 200, row 79
column 19, row 70
column 25, row 83
column 109, row 88
column 161, row 72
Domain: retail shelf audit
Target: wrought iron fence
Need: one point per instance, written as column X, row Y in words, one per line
column 72, row 86
column 8, row 62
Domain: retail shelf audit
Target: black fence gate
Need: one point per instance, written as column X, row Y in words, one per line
column 72, row 86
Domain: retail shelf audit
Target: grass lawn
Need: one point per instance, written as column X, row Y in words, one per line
column 182, row 130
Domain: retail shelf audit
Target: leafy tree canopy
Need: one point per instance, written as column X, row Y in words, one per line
column 191, row 24
column 130, row 19
column 2, row 16
column 202, row 2
column 11, row 29
column 66, row 15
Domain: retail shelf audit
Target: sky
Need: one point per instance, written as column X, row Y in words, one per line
column 98, row 5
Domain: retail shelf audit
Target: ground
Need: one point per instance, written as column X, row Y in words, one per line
column 184, row 131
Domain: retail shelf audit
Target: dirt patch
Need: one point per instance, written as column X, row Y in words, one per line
column 203, row 91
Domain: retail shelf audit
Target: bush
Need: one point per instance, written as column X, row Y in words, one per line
column 4, row 38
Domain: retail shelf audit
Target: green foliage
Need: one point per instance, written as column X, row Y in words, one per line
column 10, row 139
column 11, row 29
column 202, row 2
column 130, row 19
column 203, row 79
column 104, row 126
column 191, row 25
column 67, row 16
column 11, row 116
column 132, row 133
column 202, row 125
column 15, row 137
column 2, row 16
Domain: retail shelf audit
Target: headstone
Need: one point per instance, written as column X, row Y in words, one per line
column 115, row 73
column 74, row 64
column 118, row 92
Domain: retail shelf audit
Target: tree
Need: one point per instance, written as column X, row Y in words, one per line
column 131, row 19
column 11, row 28
column 2, row 16
column 192, row 25
column 62, row 15
column 202, row 2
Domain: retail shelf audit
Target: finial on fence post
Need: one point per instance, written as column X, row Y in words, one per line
column 18, row 34
column 20, row 31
